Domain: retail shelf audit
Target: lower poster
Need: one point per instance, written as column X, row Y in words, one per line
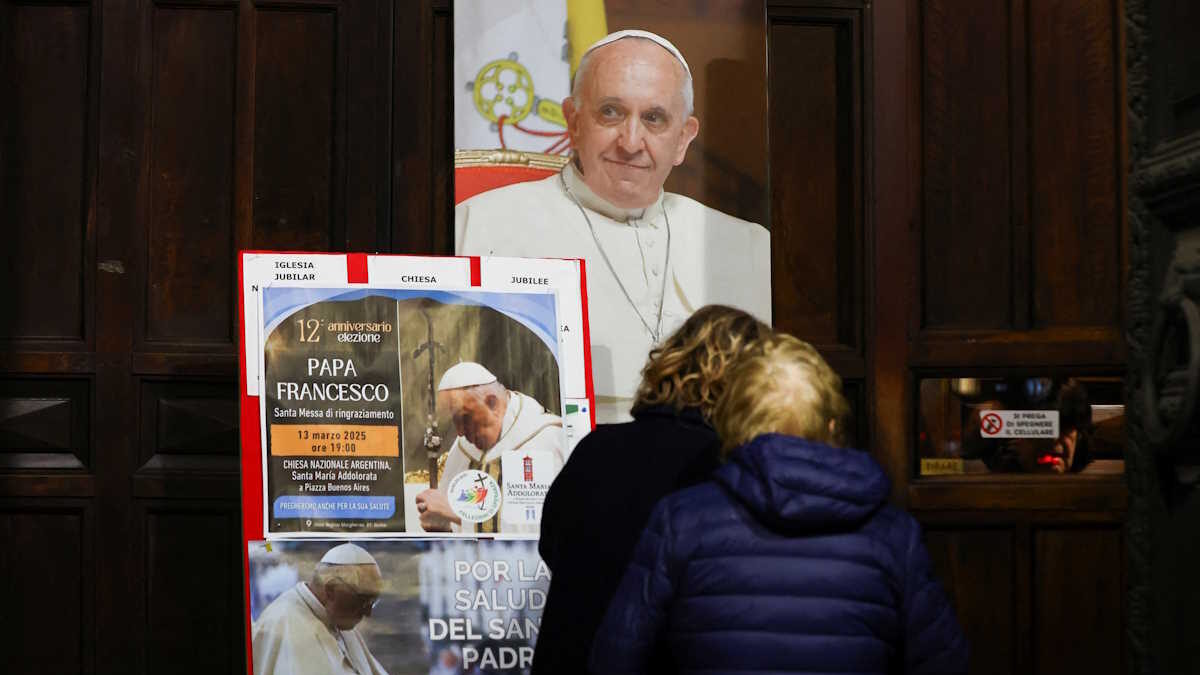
column 404, row 607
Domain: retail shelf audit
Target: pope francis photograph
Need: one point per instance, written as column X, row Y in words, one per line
column 311, row 627
column 492, row 422
column 653, row 257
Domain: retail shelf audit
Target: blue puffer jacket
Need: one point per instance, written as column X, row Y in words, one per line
column 790, row 562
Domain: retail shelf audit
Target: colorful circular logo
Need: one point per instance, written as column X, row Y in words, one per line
column 474, row 496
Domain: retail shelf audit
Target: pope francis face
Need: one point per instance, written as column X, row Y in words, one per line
column 347, row 603
column 477, row 415
column 629, row 126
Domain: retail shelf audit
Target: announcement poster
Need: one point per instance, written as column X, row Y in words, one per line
column 334, row 414
column 449, row 606
column 409, row 411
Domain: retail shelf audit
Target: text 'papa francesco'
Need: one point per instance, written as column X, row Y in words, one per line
column 331, row 391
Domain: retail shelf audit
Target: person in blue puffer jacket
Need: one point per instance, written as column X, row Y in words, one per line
column 791, row 560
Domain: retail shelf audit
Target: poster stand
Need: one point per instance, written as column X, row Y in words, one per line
column 269, row 280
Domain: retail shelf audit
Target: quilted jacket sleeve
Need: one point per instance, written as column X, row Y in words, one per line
column 934, row 643
column 626, row 639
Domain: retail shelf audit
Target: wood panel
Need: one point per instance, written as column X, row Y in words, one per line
column 221, row 124
column 858, row 434
column 47, row 555
column 118, row 307
column 294, row 103
column 1074, row 167
column 967, row 235
column 1182, row 66
column 1078, row 589
column 45, row 54
column 977, row 568
column 44, row 424
column 189, row 228
column 192, row 587
column 422, row 136
column 816, row 175
column 189, row 426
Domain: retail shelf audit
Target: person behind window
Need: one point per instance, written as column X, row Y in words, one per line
column 791, row 560
column 599, row 503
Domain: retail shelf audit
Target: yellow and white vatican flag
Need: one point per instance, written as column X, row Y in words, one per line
column 512, row 69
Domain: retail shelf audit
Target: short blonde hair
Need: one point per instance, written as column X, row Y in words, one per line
column 784, row 387
column 689, row 368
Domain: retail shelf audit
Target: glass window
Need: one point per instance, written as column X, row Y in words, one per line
column 1035, row 424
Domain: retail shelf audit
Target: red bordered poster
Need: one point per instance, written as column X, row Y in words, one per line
column 407, row 397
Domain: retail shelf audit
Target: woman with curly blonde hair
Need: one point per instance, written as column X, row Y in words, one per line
column 600, row 501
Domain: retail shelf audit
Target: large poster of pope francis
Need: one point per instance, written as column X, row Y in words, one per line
column 409, row 411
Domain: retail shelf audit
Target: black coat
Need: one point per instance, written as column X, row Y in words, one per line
column 595, row 512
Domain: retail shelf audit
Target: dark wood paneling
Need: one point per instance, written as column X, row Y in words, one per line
column 189, row 426
column 855, row 392
column 817, row 212
column 977, row 569
column 44, row 424
column 1074, row 164
column 294, row 105
column 367, row 29
column 1080, row 492
column 967, row 248
column 1078, row 586
column 189, row 229
column 1183, row 66
column 893, row 256
column 46, row 569
column 1049, row 347
column 44, row 159
column 422, row 128
column 192, row 587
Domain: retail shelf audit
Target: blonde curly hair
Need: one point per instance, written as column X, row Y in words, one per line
column 688, row 369
column 783, row 387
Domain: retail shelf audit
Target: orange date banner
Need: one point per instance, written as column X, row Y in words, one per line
column 334, row 440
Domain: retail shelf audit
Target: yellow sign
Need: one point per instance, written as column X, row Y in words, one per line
column 941, row 467
column 327, row 440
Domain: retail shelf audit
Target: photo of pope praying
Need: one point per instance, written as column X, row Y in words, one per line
column 312, row 627
column 482, row 394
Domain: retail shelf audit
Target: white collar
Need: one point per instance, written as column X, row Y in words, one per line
column 314, row 604
column 573, row 181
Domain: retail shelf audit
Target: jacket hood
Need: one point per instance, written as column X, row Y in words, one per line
column 791, row 483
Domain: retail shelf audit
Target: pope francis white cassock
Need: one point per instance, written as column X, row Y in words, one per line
column 503, row 433
column 300, row 633
column 652, row 257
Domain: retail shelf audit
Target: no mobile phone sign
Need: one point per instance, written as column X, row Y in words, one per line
column 1018, row 423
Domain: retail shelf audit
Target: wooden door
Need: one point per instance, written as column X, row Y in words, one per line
column 143, row 144
column 947, row 186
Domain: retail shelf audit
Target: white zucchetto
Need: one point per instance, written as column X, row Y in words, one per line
column 465, row 374
column 645, row 34
column 348, row 554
